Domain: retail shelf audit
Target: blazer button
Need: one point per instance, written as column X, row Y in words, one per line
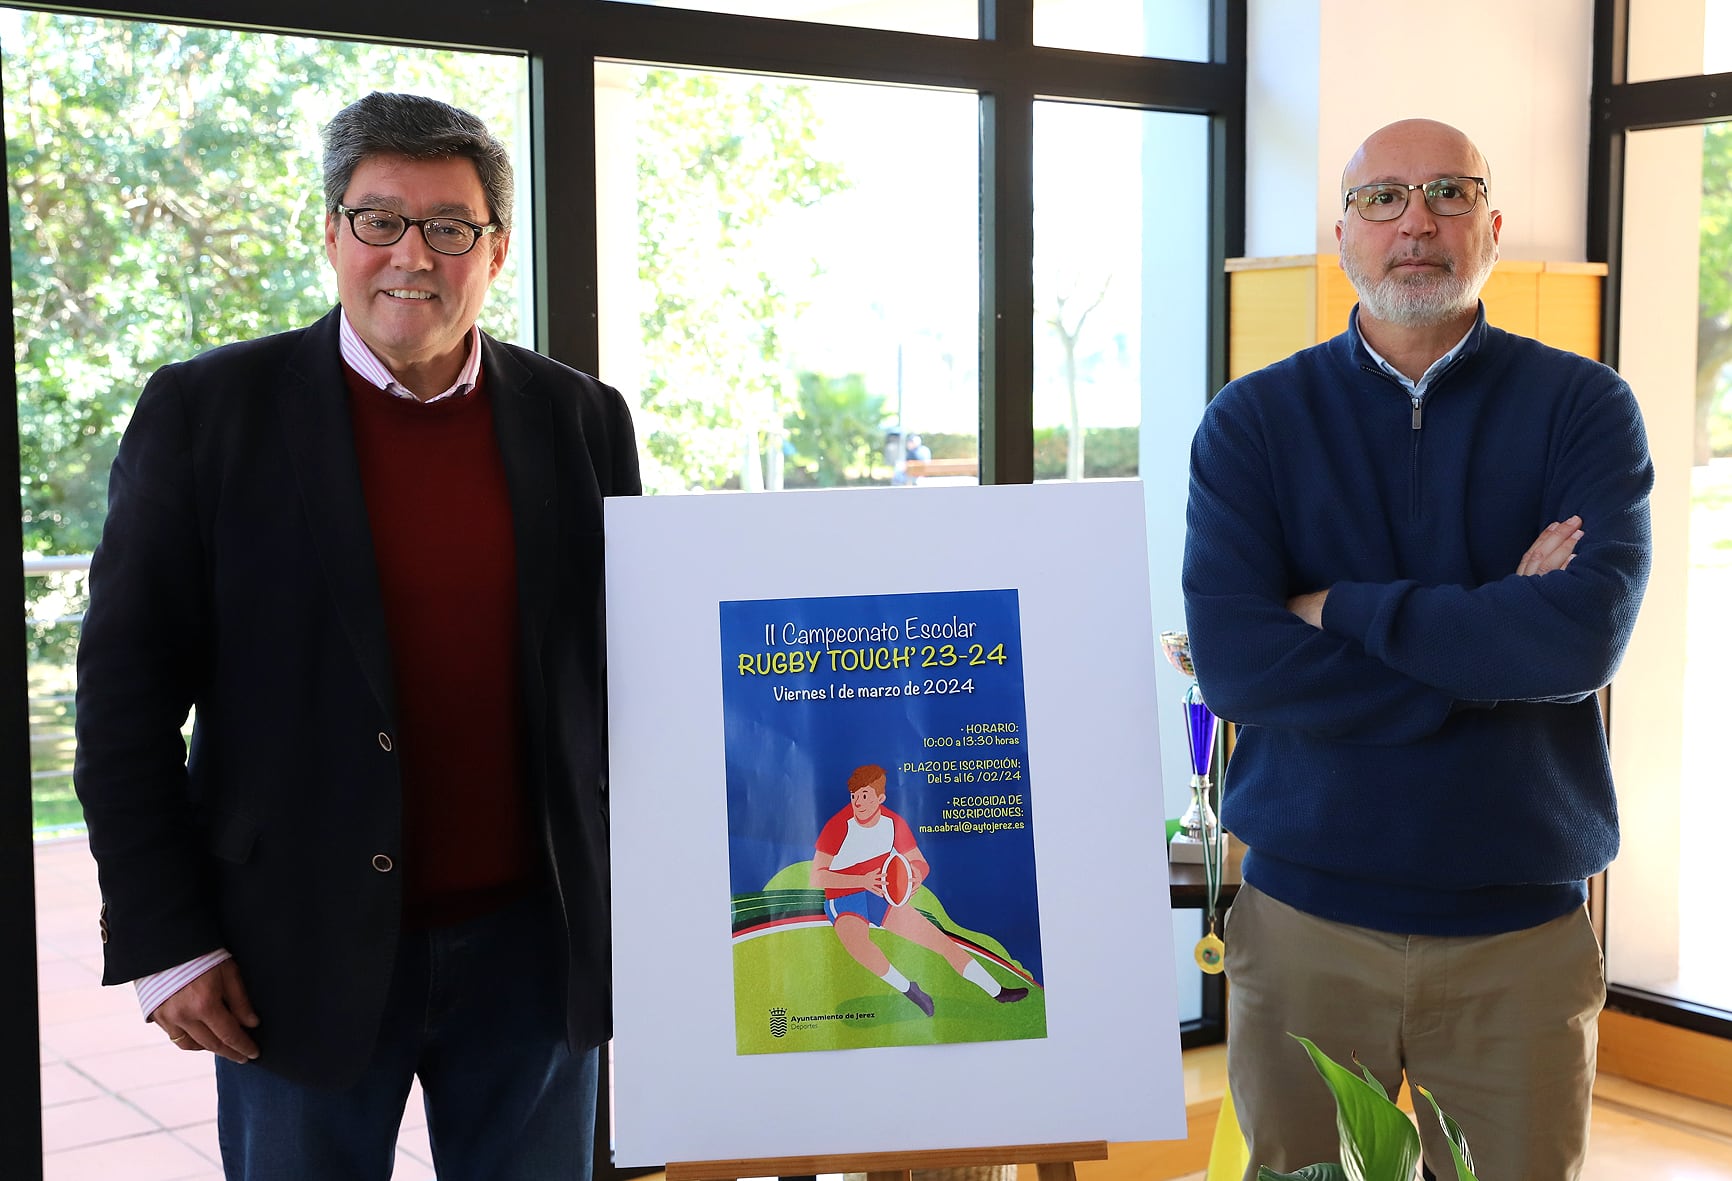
column 384, row 741
column 381, row 863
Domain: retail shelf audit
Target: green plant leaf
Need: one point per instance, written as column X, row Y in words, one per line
column 1378, row 1143
column 1370, row 1078
column 1457, row 1142
column 1308, row 1173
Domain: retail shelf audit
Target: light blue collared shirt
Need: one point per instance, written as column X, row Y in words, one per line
column 1415, row 389
column 362, row 360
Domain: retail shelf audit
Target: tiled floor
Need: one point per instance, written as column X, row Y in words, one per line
column 117, row 1100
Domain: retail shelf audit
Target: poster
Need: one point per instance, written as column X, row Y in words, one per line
column 881, row 814
column 720, row 781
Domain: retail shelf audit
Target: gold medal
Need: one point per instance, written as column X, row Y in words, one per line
column 1211, row 954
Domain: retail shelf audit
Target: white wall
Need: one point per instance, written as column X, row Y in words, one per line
column 1515, row 75
column 1281, row 127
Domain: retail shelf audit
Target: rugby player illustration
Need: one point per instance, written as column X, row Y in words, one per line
column 869, row 866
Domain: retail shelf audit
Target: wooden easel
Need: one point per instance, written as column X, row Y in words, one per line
column 1056, row 1162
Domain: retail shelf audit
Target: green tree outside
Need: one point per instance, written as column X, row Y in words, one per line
column 719, row 158
column 835, row 429
column 1714, row 327
column 165, row 198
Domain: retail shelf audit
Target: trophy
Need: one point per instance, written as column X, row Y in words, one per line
column 1198, row 840
column 1198, row 828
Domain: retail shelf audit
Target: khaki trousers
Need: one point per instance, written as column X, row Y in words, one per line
column 1502, row 1029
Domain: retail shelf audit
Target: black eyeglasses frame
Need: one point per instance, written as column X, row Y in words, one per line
column 481, row 231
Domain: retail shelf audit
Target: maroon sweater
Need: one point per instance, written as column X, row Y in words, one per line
column 443, row 542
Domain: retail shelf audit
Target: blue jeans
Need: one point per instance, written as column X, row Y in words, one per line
column 477, row 1011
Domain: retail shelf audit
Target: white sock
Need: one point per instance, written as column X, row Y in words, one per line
column 895, row 979
column 979, row 975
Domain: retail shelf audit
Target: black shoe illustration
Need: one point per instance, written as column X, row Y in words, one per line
column 1009, row 996
column 913, row 992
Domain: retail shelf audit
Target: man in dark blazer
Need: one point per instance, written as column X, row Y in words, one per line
column 368, row 554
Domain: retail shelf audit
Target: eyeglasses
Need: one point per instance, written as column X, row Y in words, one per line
column 1447, row 196
column 381, row 227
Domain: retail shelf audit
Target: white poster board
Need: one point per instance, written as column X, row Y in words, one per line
column 1107, row 1067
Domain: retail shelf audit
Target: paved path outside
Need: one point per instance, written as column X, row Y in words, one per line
column 117, row 1100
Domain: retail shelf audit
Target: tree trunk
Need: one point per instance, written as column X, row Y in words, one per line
column 1713, row 354
column 1073, row 462
column 751, row 462
column 773, row 462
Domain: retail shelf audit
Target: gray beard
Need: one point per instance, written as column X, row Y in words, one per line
column 1420, row 301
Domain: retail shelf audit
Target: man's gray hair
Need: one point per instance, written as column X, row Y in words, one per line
column 384, row 124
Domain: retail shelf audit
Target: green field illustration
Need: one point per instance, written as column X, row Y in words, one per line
column 797, row 989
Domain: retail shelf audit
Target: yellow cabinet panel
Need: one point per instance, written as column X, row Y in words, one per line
column 1281, row 305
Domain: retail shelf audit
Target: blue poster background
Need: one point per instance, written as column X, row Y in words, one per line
column 807, row 699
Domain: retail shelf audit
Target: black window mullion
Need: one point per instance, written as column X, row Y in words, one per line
column 20, row 1076
column 1226, row 182
column 1008, row 22
column 1007, row 287
column 562, row 161
column 1197, row 88
column 1611, row 21
column 1668, row 102
column 724, row 41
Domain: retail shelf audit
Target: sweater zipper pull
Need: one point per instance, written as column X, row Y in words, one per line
column 1418, row 402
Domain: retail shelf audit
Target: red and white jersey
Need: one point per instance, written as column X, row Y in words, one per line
column 853, row 845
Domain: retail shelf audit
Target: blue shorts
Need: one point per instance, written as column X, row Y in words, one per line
column 864, row 903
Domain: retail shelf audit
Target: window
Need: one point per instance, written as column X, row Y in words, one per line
column 166, row 198
column 1664, row 164
column 929, row 126
column 1675, row 347
column 803, row 306
column 1676, row 38
column 1149, row 28
column 1120, row 341
column 943, row 18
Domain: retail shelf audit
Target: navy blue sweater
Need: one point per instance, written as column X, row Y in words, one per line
column 1432, row 761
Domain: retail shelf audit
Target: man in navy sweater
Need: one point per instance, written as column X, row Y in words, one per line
column 368, row 552
column 1415, row 552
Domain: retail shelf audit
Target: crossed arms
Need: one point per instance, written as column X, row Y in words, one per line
column 1388, row 662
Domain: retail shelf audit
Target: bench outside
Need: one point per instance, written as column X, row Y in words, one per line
column 966, row 466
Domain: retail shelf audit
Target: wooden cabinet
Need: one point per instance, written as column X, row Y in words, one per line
column 1281, row 305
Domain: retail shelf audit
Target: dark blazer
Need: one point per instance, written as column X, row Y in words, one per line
column 236, row 575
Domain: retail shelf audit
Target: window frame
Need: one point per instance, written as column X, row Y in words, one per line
column 561, row 40
column 1621, row 107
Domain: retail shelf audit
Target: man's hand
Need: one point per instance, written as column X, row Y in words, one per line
column 875, row 882
column 1309, row 607
column 1552, row 549
column 212, row 1013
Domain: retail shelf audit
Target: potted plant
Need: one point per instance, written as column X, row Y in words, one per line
column 1378, row 1141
